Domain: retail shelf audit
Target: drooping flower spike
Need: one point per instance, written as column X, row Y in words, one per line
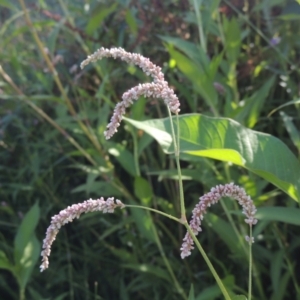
column 212, row 197
column 68, row 215
column 159, row 88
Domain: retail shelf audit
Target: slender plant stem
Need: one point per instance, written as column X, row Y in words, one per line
column 200, row 26
column 207, row 260
column 52, row 69
column 182, row 205
column 250, row 266
column 154, row 210
column 46, row 117
column 176, row 152
column 180, row 290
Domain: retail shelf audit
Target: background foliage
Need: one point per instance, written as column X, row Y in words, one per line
column 236, row 59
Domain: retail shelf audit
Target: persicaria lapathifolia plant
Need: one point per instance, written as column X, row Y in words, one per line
column 159, row 88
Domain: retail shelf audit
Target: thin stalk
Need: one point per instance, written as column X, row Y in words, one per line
column 56, row 78
column 207, row 260
column 116, row 182
column 200, row 26
column 46, row 117
column 176, row 152
column 135, row 153
column 154, row 210
column 179, row 289
column 250, row 266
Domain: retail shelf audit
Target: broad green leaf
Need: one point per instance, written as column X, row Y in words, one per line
column 239, row 297
column 225, row 139
column 290, row 215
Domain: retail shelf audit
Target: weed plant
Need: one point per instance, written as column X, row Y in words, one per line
column 234, row 66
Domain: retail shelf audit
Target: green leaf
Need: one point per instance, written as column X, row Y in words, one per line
column 233, row 39
column 225, row 232
column 143, row 190
column 254, row 104
column 297, row 101
column 131, row 21
column 200, row 74
column 28, row 261
column 210, row 293
column 143, row 222
column 191, row 293
column 277, row 263
column 226, row 140
column 27, row 247
column 98, row 15
column 4, row 262
column 123, row 156
column 294, row 133
column 290, row 215
column 26, row 231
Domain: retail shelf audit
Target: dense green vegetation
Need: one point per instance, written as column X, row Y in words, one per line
column 234, row 65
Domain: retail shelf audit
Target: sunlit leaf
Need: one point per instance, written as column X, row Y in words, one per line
column 226, row 140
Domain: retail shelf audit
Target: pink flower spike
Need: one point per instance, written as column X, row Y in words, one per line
column 68, row 215
column 159, row 88
column 212, row 197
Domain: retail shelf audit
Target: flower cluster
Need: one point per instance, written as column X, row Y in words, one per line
column 159, row 88
column 68, row 215
column 215, row 194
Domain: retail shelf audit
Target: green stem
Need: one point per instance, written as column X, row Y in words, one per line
column 200, row 27
column 207, row 260
column 176, row 143
column 154, row 210
column 250, row 266
column 52, row 69
column 179, row 289
column 41, row 113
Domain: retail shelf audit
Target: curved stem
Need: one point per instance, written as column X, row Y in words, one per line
column 154, row 210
